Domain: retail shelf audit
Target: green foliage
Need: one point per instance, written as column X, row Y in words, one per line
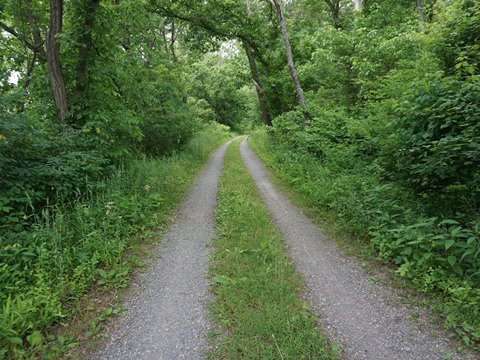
column 46, row 268
column 438, row 132
column 38, row 167
column 439, row 256
column 219, row 82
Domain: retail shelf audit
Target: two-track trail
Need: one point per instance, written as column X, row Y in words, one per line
column 167, row 318
column 359, row 315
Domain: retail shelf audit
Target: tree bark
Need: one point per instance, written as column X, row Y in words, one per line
column 53, row 59
column 88, row 10
column 38, row 41
column 334, row 6
column 421, row 19
column 172, row 42
column 262, row 101
column 291, row 63
column 30, row 66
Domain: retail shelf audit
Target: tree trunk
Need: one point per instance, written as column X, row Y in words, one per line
column 36, row 34
column 53, row 59
column 172, row 42
column 432, row 10
column 291, row 63
column 262, row 101
column 88, row 9
column 421, row 20
column 334, row 6
column 30, row 66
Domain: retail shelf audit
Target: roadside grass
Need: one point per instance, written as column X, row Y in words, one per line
column 59, row 280
column 258, row 305
column 338, row 203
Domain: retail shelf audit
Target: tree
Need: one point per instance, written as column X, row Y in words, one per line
column 53, row 59
column 421, row 19
column 262, row 101
column 334, row 6
column 291, row 64
column 85, row 12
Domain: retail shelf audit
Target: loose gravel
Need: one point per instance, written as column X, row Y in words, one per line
column 365, row 318
column 167, row 318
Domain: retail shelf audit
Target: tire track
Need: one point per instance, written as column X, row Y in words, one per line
column 167, row 319
column 356, row 313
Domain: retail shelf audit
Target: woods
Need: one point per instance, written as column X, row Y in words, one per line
column 370, row 109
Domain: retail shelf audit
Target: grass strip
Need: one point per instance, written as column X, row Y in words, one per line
column 258, row 304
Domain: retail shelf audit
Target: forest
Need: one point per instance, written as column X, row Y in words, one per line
column 369, row 110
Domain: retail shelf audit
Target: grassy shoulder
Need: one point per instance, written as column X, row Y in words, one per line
column 379, row 222
column 258, row 306
column 59, row 279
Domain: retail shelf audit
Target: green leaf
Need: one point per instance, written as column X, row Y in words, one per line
column 35, row 338
column 221, row 279
column 452, row 260
column 449, row 244
column 16, row 340
column 449, row 222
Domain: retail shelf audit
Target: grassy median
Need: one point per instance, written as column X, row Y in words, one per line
column 258, row 307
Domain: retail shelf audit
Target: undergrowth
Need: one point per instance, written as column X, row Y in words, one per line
column 86, row 242
column 439, row 256
column 258, row 305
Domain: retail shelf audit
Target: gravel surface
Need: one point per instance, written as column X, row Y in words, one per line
column 167, row 318
column 366, row 319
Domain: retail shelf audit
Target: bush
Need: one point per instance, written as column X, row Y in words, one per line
column 41, row 165
column 438, row 134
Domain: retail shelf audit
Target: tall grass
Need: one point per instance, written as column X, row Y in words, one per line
column 73, row 246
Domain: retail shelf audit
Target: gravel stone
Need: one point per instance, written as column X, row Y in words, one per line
column 167, row 318
column 365, row 318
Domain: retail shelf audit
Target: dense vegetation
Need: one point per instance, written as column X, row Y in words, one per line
column 374, row 115
column 392, row 148
column 79, row 190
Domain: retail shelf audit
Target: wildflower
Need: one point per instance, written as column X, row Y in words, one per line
column 108, row 207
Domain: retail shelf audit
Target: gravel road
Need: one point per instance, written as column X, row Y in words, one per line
column 167, row 318
column 365, row 318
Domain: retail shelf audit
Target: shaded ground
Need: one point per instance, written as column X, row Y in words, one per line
column 365, row 318
column 167, row 318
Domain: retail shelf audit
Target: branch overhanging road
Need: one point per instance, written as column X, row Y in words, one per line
column 168, row 320
column 356, row 313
